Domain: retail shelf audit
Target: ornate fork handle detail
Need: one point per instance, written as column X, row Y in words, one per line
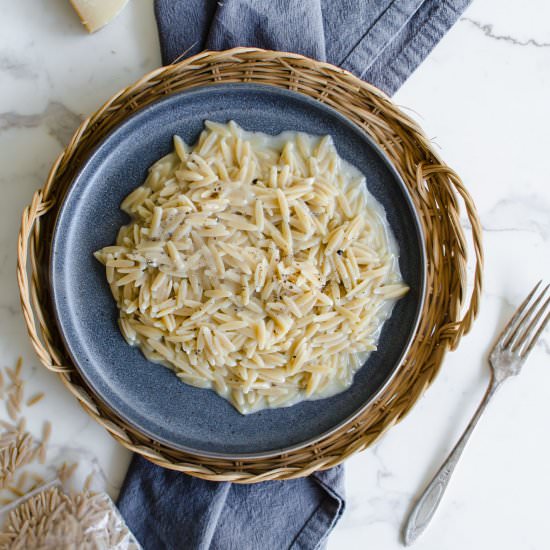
column 427, row 504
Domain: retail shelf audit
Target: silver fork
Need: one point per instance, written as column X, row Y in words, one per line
column 506, row 359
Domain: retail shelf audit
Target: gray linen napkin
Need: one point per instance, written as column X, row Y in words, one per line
column 170, row 510
column 381, row 41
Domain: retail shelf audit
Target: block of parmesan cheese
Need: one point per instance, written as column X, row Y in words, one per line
column 95, row 14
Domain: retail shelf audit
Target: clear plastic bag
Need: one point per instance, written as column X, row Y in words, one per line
column 50, row 519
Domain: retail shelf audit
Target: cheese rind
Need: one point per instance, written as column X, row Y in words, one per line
column 95, row 14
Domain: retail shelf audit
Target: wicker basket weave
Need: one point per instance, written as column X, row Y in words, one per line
column 448, row 310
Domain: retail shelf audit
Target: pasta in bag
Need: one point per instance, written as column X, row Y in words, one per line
column 50, row 519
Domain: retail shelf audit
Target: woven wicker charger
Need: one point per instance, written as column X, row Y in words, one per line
column 448, row 311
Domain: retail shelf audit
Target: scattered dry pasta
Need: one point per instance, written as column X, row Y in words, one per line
column 18, row 448
column 254, row 265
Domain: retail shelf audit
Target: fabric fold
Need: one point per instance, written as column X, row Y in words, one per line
column 381, row 41
column 168, row 510
column 272, row 24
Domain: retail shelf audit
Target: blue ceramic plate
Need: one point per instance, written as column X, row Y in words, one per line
column 149, row 396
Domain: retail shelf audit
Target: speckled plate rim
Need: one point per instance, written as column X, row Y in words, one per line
column 120, row 128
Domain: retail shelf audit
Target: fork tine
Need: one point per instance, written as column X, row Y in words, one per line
column 512, row 325
column 520, row 339
column 537, row 334
column 526, row 320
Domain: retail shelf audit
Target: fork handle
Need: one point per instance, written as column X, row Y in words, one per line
column 427, row 504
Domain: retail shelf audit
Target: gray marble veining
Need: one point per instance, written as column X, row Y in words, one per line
column 16, row 68
column 59, row 121
column 488, row 31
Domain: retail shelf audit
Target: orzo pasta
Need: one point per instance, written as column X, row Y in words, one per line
column 254, row 265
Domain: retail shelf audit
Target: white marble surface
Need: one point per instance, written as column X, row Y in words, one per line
column 483, row 95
